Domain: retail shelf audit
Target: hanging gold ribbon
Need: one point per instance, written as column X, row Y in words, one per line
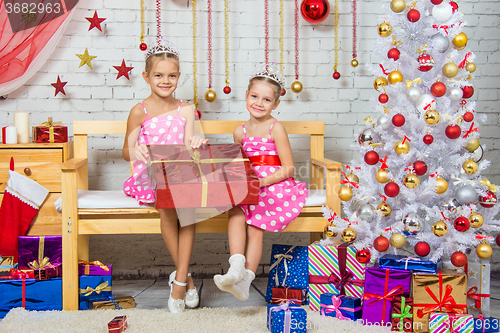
column 396, row 42
column 422, row 49
column 40, row 264
column 92, row 263
column 386, row 110
column 50, row 124
column 410, row 83
column 89, row 290
column 492, row 187
column 370, row 120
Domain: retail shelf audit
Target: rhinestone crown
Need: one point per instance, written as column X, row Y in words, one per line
column 270, row 71
column 162, row 46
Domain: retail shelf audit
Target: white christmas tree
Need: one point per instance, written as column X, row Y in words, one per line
column 420, row 186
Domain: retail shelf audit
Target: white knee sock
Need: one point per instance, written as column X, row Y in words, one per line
column 240, row 290
column 236, row 271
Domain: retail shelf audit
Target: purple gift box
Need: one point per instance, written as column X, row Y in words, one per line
column 93, row 268
column 33, row 248
column 381, row 285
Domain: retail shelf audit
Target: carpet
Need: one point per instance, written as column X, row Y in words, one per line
column 203, row 320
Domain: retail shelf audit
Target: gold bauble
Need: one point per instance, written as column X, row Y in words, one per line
column 210, row 96
column 345, row 193
column 353, row 178
column 440, row 228
column 450, row 69
column 431, row 117
column 411, row 180
column 441, row 185
column 471, row 67
column 398, row 6
column 402, row 148
column 380, row 82
column 395, row 77
column 349, row 234
column 398, row 240
column 470, row 167
column 329, row 230
column 297, row 87
column 384, row 29
column 472, row 145
column 354, row 62
column 476, row 220
column 381, row 176
column 484, row 250
column 460, row 41
column 385, row 209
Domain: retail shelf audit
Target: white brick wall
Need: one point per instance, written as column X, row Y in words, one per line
column 96, row 94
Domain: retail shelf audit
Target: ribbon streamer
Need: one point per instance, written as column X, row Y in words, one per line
column 465, row 61
column 384, row 163
column 410, row 83
column 472, row 293
column 470, row 130
column 384, row 70
column 492, row 187
column 279, row 258
column 445, row 27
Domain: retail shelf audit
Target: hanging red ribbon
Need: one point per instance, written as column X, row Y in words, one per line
column 388, row 295
column 384, row 163
column 347, row 181
column 464, row 62
column 444, row 217
column 406, row 138
column 383, row 197
column 472, row 293
column 445, row 27
column 471, row 129
column 384, row 70
column 427, row 106
column 209, row 12
column 296, row 19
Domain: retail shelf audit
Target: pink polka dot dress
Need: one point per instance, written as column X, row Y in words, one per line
column 279, row 203
column 161, row 130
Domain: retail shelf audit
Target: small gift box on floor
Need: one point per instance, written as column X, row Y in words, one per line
column 93, row 268
column 286, row 317
column 218, row 175
column 288, row 269
column 341, row 307
column 118, row 324
column 34, row 250
column 47, row 271
column 49, row 132
column 446, row 323
column 415, row 264
column 113, row 302
column 93, row 287
column 402, row 314
column 284, row 294
column 486, row 325
column 334, row 269
column 6, row 263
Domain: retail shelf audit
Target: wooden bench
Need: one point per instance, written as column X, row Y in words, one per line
column 78, row 224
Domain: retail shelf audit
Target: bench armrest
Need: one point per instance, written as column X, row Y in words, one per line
column 326, row 163
column 333, row 170
column 74, row 164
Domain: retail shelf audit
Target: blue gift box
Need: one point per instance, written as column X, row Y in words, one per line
column 490, row 325
column 92, row 288
column 291, row 315
column 39, row 295
column 289, row 267
column 341, row 307
column 395, row 261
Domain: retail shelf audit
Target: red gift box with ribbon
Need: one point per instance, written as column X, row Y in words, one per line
column 49, row 132
column 402, row 314
column 118, row 324
column 283, row 294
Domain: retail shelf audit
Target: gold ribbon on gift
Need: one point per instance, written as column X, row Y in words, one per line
column 40, row 264
column 492, row 187
column 92, row 263
column 50, row 124
column 410, row 83
column 89, row 290
column 196, row 159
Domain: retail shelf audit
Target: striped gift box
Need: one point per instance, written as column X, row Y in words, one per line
column 439, row 323
column 463, row 323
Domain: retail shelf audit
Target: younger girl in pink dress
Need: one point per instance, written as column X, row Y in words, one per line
column 281, row 198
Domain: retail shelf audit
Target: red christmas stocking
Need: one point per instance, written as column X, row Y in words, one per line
column 21, row 201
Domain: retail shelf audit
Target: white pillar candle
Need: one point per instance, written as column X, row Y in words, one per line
column 10, row 135
column 22, row 124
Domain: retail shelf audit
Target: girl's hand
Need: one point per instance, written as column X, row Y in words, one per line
column 141, row 153
column 196, row 141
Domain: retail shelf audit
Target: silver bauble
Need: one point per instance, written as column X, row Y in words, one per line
column 456, row 94
column 451, row 205
column 367, row 137
column 466, row 195
column 413, row 224
column 365, row 212
column 384, row 121
column 440, row 42
column 413, row 94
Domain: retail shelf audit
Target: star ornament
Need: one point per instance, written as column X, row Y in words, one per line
column 59, row 86
column 95, row 21
column 123, row 70
column 85, row 59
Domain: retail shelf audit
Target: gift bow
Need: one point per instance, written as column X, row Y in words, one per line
column 50, row 124
column 410, row 83
column 406, row 259
column 405, row 313
column 398, row 290
column 89, row 290
column 470, row 130
column 347, row 181
column 278, row 258
column 492, row 187
column 288, row 314
column 460, row 180
column 93, row 263
column 335, row 307
column 35, row 264
column 472, row 293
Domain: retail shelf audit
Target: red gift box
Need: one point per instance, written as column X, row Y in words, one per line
column 118, row 324
column 402, row 314
column 214, row 175
column 50, row 132
column 283, row 294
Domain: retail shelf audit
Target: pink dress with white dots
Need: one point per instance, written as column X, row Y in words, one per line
column 279, row 203
column 161, row 130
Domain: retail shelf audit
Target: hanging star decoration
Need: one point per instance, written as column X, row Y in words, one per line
column 59, row 86
column 95, row 21
column 123, row 70
column 85, row 59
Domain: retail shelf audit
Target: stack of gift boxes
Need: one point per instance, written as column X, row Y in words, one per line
column 408, row 294
column 35, row 281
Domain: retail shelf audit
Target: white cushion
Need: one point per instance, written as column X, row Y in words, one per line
column 118, row 199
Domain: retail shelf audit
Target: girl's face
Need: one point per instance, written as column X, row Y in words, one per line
column 163, row 77
column 261, row 99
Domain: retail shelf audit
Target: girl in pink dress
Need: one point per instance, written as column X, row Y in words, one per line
column 162, row 119
column 281, row 198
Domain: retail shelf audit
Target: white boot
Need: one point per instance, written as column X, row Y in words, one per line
column 240, row 290
column 235, row 273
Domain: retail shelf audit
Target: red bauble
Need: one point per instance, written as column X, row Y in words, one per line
column 468, row 116
column 436, row 2
column 461, row 224
column 398, row 120
column 336, row 75
column 420, row 168
column 363, row 256
column 497, row 240
column 438, row 89
column 197, row 114
column 393, row 54
column 383, row 98
column 425, row 62
column 391, row 189
column 428, row 139
column 458, row 259
column 413, row 15
column 283, row 92
column 453, row 131
column 143, row 46
column 468, row 91
column 381, row 244
column 489, row 200
column 227, row 90
column 315, row 11
column 422, row 249
column 371, row 157
column 454, row 6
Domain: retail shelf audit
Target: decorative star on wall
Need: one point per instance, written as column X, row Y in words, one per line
column 95, row 21
column 85, row 59
column 123, row 70
column 59, row 86
column 472, row 274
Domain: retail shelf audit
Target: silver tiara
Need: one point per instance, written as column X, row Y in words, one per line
column 162, row 46
column 270, row 71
